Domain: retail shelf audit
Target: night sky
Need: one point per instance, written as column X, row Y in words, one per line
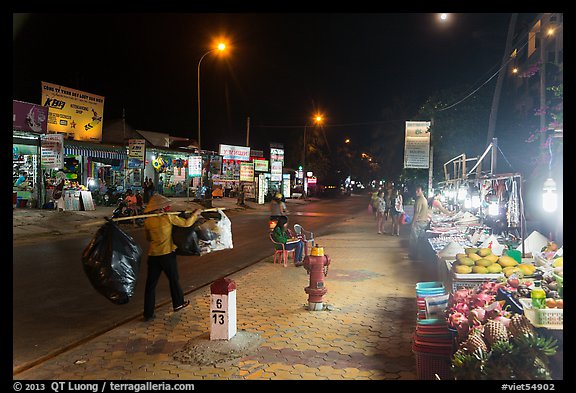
column 280, row 69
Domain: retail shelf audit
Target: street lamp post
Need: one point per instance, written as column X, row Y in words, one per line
column 317, row 120
column 220, row 48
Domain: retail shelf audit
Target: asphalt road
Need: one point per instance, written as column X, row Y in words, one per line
column 55, row 307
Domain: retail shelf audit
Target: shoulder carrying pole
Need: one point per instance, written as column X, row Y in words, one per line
column 162, row 214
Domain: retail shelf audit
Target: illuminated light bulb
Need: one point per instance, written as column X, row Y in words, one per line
column 493, row 208
column 549, row 196
column 475, row 201
column 462, row 192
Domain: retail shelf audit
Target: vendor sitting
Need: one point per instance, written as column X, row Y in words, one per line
column 22, row 182
column 282, row 234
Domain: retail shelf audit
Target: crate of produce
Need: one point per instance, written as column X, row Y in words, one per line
column 549, row 318
column 470, row 280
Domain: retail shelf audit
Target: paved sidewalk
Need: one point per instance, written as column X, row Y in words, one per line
column 365, row 336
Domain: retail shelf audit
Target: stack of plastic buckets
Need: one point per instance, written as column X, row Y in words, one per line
column 425, row 290
column 432, row 343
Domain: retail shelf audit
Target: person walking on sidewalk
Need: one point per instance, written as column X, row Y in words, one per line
column 161, row 253
column 419, row 222
column 396, row 211
column 381, row 211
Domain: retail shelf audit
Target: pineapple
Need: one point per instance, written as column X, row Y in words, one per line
column 475, row 342
column 495, row 331
column 520, row 325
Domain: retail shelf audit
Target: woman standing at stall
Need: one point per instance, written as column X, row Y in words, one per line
column 396, row 211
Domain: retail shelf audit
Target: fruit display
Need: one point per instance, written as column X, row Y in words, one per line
column 494, row 341
column 483, row 261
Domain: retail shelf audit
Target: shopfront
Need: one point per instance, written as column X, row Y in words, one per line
column 98, row 166
column 169, row 170
column 29, row 123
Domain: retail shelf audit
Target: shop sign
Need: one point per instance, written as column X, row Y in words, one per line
column 277, row 154
column 261, row 188
column 136, row 153
column 276, row 171
column 29, row 117
column 195, row 166
column 311, row 180
column 261, row 165
column 229, row 152
column 286, row 185
column 246, row 171
column 52, row 151
column 417, row 145
column 73, row 112
column 257, row 153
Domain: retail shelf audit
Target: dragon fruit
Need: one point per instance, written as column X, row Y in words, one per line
column 481, row 299
column 494, row 310
column 477, row 316
column 457, row 318
column 490, row 287
column 461, row 295
column 505, row 321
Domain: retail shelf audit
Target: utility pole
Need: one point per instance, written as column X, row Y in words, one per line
column 248, row 131
column 501, row 75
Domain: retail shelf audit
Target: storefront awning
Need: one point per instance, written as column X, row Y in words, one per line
column 95, row 150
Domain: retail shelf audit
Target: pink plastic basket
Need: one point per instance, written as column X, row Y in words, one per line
column 433, row 367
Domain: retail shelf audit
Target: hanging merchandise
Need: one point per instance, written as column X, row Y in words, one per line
column 159, row 164
column 513, row 211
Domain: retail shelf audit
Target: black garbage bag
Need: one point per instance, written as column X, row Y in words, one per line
column 186, row 239
column 205, row 226
column 112, row 261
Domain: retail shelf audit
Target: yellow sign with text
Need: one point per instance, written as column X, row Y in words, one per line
column 73, row 112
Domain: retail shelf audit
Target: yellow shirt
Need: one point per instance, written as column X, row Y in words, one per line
column 159, row 232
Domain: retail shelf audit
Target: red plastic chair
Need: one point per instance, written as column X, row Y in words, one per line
column 283, row 253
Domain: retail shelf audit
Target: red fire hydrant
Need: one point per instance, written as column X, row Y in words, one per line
column 316, row 264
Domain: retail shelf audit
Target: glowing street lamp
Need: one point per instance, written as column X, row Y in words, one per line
column 220, row 48
column 318, row 120
column 549, row 196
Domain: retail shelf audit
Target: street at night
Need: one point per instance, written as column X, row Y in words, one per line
column 236, row 195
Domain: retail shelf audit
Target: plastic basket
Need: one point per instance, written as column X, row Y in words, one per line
column 429, row 285
column 469, row 284
column 433, row 367
column 550, row 318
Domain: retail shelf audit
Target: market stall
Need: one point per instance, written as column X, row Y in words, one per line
column 500, row 292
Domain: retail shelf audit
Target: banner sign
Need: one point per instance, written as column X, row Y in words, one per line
column 246, row 171
column 276, row 171
column 417, row 144
column 286, row 185
column 257, row 153
column 137, row 148
column 229, row 152
column 136, row 153
column 261, row 165
column 277, row 154
column 29, row 117
column 195, row 166
column 73, row 112
column 52, row 151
